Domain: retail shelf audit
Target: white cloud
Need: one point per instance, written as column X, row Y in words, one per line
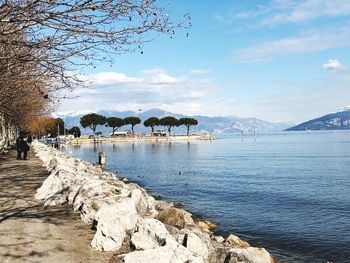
column 312, row 41
column 190, row 93
column 276, row 12
column 300, row 11
column 199, row 71
column 158, row 76
column 106, row 78
column 333, row 65
column 199, row 95
column 163, row 78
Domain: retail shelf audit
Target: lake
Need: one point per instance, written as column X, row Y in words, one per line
column 288, row 192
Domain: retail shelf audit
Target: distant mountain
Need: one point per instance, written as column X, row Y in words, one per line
column 334, row 121
column 207, row 124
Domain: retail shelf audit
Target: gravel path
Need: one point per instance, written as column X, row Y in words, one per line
column 30, row 232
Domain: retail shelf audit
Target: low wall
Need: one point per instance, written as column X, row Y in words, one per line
column 135, row 139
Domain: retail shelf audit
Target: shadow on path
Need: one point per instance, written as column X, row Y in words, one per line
column 31, row 232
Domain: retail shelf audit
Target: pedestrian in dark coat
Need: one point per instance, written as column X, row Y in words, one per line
column 22, row 146
column 19, row 145
column 25, row 149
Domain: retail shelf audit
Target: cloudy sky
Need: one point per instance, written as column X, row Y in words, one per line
column 278, row 60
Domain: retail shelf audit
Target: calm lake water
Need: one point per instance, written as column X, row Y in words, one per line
column 287, row 192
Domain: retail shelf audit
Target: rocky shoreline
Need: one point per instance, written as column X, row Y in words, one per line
column 132, row 223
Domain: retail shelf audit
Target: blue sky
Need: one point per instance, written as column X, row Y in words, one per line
column 278, row 60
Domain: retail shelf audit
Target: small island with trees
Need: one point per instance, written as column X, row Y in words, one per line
column 89, row 129
column 166, row 124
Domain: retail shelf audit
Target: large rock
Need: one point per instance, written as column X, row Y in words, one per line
column 73, row 193
column 196, row 241
column 124, row 217
column 206, row 224
column 250, row 255
column 57, row 199
column 51, row 186
column 51, row 164
column 199, row 245
column 89, row 208
column 113, row 223
column 236, row 241
column 150, row 234
column 218, row 239
column 165, row 254
column 139, row 201
column 175, row 217
column 145, row 204
column 241, row 255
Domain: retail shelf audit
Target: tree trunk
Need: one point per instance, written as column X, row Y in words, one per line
column 188, row 130
column 8, row 132
column 169, row 129
column 94, row 131
column 152, row 127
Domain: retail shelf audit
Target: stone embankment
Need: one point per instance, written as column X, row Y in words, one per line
column 140, row 139
column 132, row 223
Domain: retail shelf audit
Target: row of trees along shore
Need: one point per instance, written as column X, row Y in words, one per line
column 45, row 46
column 52, row 127
column 92, row 120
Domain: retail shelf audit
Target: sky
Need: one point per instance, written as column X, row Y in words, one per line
column 276, row 60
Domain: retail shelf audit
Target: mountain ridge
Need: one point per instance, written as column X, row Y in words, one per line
column 332, row 121
column 217, row 125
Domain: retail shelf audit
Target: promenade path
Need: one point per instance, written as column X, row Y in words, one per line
column 30, row 232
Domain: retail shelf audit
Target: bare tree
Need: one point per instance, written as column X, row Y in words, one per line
column 44, row 45
column 68, row 34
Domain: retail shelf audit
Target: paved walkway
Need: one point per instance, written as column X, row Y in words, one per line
column 30, row 232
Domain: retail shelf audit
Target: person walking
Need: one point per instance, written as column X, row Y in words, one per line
column 19, row 146
column 25, row 149
column 22, row 146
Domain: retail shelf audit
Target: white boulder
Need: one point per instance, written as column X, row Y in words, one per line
column 124, row 215
column 113, row 223
column 165, row 254
column 149, row 234
column 250, row 255
column 51, row 186
column 196, row 241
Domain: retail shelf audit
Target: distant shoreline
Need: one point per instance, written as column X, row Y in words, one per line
column 141, row 139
